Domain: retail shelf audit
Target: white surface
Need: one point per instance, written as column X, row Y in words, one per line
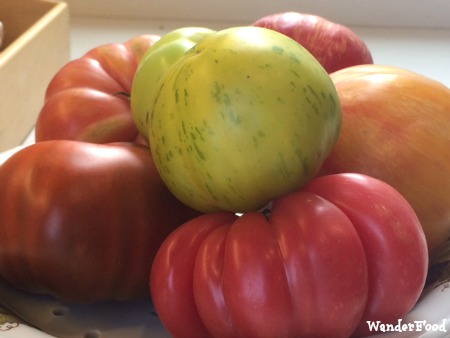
column 425, row 51
column 63, row 320
column 387, row 13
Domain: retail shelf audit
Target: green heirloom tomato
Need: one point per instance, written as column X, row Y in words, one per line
column 160, row 57
column 243, row 117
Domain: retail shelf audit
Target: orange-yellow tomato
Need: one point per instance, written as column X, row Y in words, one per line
column 396, row 128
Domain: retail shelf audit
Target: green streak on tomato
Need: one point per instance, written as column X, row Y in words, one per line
column 251, row 115
column 156, row 61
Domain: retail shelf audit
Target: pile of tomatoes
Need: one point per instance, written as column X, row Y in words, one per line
column 260, row 194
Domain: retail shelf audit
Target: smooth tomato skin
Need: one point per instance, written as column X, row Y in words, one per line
column 247, row 270
column 83, row 221
column 396, row 129
column 108, row 69
column 225, row 141
column 391, row 234
column 162, row 55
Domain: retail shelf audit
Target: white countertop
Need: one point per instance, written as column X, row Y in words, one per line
column 425, row 51
column 380, row 13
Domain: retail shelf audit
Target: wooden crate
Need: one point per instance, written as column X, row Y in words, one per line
column 36, row 44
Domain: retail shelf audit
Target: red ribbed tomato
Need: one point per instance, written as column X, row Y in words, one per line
column 83, row 221
column 345, row 250
column 85, row 100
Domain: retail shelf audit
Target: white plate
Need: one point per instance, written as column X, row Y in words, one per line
column 36, row 314
column 63, row 320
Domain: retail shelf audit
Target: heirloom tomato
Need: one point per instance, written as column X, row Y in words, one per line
column 396, row 128
column 83, row 221
column 344, row 250
column 154, row 64
column 87, row 100
column 244, row 116
column 334, row 45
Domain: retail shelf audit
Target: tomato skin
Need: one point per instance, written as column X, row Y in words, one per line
column 366, row 203
column 173, row 276
column 396, row 129
column 300, row 272
column 334, row 45
column 101, row 118
column 267, row 256
column 272, row 273
column 154, row 64
column 83, row 221
column 107, row 69
column 210, row 135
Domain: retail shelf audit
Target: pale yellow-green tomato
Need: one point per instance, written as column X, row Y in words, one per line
column 245, row 116
column 152, row 67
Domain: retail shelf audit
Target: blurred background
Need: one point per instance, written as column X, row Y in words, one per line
column 414, row 34
column 385, row 13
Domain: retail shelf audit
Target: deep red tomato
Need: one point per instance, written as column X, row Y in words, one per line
column 87, row 99
column 346, row 249
column 83, row 221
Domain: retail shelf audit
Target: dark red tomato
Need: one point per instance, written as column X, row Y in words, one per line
column 306, row 270
column 87, row 99
column 83, row 221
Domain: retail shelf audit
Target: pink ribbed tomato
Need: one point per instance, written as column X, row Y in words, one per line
column 345, row 250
